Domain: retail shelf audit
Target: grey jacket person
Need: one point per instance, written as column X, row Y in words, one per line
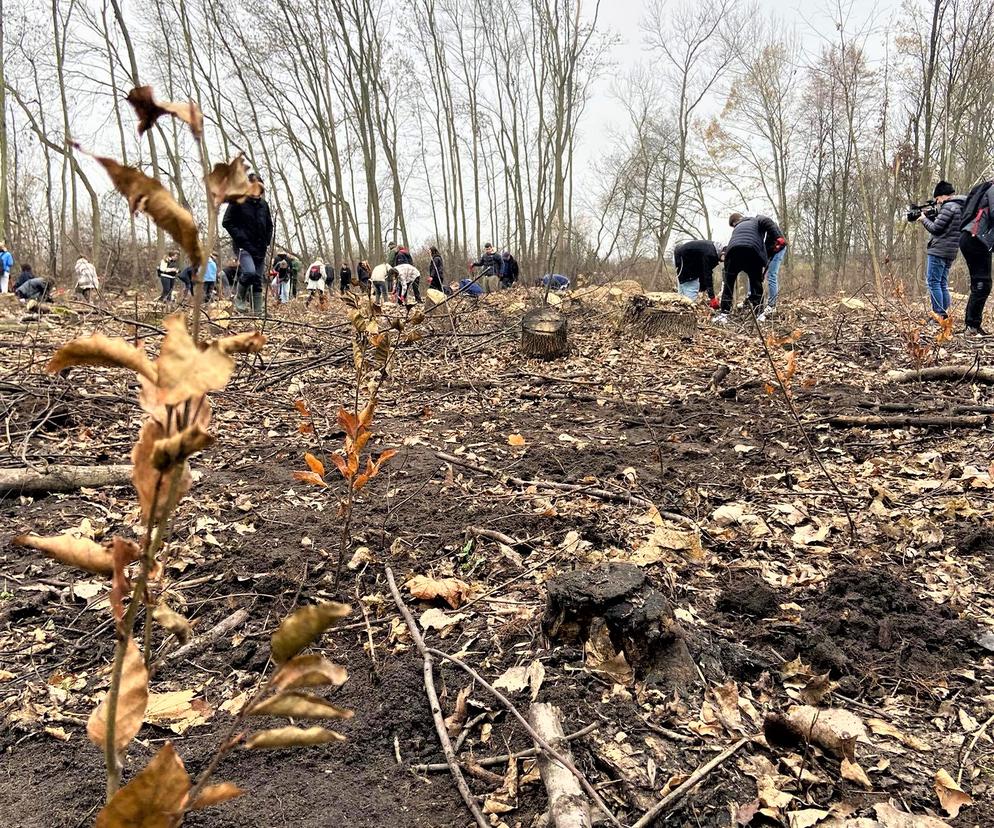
column 945, row 230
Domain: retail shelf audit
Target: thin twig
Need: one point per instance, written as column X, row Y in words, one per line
column 539, row 740
column 841, row 498
column 436, row 707
column 680, row 791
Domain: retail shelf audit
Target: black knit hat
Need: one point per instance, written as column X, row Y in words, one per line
column 943, row 188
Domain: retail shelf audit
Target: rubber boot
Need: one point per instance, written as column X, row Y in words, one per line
column 239, row 300
column 258, row 303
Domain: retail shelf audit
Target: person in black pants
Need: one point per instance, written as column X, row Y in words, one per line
column 978, row 261
column 344, row 277
column 746, row 253
column 695, row 261
column 250, row 225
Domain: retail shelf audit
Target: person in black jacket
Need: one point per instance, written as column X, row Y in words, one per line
column 363, row 272
column 695, row 261
column 943, row 244
column 509, row 270
column 489, row 262
column 976, row 242
column 436, row 270
column 250, row 225
column 344, row 277
column 746, row 253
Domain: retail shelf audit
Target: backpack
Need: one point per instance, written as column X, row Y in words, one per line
column 977, row 220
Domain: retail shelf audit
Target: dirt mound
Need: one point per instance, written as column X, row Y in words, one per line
column 750, row 596
column 864, row 622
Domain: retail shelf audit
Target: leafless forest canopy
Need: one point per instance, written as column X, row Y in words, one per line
column 463, row 121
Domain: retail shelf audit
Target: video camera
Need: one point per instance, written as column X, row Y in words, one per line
column 929, row 208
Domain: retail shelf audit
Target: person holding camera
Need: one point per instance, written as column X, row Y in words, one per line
column 944, row 228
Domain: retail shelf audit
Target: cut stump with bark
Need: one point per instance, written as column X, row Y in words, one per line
column 660, row 314
column 638, row 617
column 568, row 807
column 543, row 334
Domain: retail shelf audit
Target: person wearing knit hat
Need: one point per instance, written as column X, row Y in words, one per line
column 943, row 245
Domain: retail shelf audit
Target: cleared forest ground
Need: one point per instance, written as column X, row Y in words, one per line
column 785, row 602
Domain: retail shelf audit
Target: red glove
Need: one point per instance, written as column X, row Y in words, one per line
column 714, row 303
column 779, row 245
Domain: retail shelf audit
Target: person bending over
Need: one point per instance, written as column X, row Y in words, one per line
column 746, row 253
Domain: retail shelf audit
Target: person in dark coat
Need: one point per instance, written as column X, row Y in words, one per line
column 344, row 277
column 229, row 276
column 250, row 225
column 943, row 245
column 746, row 252
column 489, row 263
column 695, row 261
column 363, row 272
column 508, row 270
column 38, row 288
column 976, row 243
column 25, row 275
column 436, row 270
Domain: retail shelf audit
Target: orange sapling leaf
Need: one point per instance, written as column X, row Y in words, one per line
column 149, row 110
column 316, row 465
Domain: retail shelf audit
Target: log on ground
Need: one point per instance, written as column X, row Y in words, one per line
column 543, row 334
column 660, row 314
column 61, row 479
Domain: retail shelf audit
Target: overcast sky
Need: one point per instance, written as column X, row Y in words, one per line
column 813, row 21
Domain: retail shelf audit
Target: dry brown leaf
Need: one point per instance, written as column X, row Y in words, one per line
column 215, row 795
column 299, row 706
column 455, row 721
column 123, row 552
column 884, row 728
column 177, row 710
column 171, row 621
column 854, row 773
column 152, row 485
column 309, row 671
column 951, row 796
column 602, row 657
column 891, row 817
column 302, row 627
column 451, row 590
column 102, row 350
column 250, row 342
column 727, row 697
column 186, row 372
column 171, row 451
column 283, row 737
column 806, row 818
column 515, row 440
column 155, row 798
column 229, row 181
column 131, row 703
column 147, row 195
column 82, row 553
column 149, row 110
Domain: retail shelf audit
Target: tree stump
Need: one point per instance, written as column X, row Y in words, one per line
column 543, row 334
column 660, row 314
column 638, row 617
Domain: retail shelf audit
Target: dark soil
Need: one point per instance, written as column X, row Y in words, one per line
column 750, row 596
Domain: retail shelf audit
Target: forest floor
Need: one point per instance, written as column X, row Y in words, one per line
column 882, row 619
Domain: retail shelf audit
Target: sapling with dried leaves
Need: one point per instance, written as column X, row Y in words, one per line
column 374, row 349
column 173, row 394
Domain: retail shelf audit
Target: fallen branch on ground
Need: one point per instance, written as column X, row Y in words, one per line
column 198, row 644
column 504, row 758
column 61, row 479
column 568, row 807
column 947, row 373
column 539, row 740
column 909, row 421
column 680, row 791
column 436, row 707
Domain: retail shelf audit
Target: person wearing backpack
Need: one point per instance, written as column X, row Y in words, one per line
column 315, row 283
column 943, row 246
column 976, row 242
